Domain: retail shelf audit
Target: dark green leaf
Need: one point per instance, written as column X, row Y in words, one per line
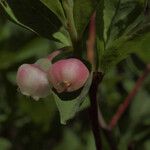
column 68, row 109
column 126, row 13
column 43, row 21
column 83, row 9
column 56, row 7
column 122, row 47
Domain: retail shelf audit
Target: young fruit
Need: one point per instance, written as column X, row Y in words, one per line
column 33, row 81
column 68, row 75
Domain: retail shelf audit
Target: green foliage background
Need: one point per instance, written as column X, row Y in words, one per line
column 29, row 125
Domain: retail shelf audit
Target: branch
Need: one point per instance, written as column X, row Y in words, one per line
column 122, row 108
column 97, row 77
column 91, row 40
column 93, row 110
column 97, row 121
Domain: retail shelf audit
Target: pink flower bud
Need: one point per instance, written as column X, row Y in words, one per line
column 68, row 75
column 33, row 81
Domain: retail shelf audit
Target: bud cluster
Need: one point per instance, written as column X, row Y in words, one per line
column 37, row 80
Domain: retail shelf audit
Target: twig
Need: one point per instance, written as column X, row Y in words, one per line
column 97, row 121
column 91, row 40
column 93, row 110
column 122, row 108
column 97, row 77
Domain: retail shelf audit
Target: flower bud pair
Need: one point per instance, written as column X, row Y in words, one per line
column 65, row 75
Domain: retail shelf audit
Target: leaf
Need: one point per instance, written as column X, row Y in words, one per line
column 56, row 8
column 43, row 21
column 143, row 50
column 124, row 46
column 113, row 55
column 120, row 24
column 11, row 14
column 108, row 14
column 82, row 10
column 63, row 36
column 126, row 13
column 68, row 109
column 100, row 30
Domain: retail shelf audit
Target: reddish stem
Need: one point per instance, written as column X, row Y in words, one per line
column 122, row 108
column 91, row 40
column 93, row 110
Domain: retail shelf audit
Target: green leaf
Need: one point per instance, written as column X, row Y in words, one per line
column 113, row 55
column 120, row 25
column 68, row 109
column 43, row 21
column 63, row 36
column 108, row 14
column 143, row 49
column 126, row 13
column 100, row 31
column 124, row 46
column 56, row 8
column 82, row 10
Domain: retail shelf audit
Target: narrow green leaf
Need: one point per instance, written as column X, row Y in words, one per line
column 56, row 8
column 43, row 21
column 11, row 14
column 126, row 13
column 129, row 32
column 124, row 46
column 99, row 31
column 108, row 14
column 83, row 9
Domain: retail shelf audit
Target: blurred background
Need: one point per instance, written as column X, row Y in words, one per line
column 29, row 125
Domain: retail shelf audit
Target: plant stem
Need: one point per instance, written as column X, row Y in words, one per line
column 68, row 7
column 91, row 41
column 97, row 121
column 93, row 110
column 97, row 77
column 122, row 108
